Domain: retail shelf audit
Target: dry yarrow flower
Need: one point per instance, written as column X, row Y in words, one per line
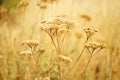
column 56, row 24
column 32, row 44
column 94, row 46
column 90, row 31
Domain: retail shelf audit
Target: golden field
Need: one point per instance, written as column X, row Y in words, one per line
column 59, row 40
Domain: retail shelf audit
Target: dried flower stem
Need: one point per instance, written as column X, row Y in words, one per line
column 88, row 62
column 76, row 61
column 59, row 68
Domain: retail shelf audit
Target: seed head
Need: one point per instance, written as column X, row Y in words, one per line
column 93, row 45
column 56, row 24
column 90, row 31
column 30, row 43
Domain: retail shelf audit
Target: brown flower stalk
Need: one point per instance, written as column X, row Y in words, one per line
column 56, row 28
column 32, row 48
column 93, row 47
column 89, row 32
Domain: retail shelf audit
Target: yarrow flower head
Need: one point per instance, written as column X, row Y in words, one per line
column 32, row 44
column 90, row 31
column 94, row 46
column 53, row 25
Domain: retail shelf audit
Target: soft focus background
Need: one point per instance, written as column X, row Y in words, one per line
column 18, row 24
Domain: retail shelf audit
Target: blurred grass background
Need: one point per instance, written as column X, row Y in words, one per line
column 9, row 4
column 17, row 25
